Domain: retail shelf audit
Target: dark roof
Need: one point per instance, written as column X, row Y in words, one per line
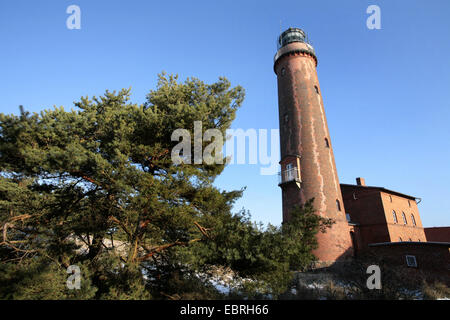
column 442, row 227
column 381, row 189
column 405, row 243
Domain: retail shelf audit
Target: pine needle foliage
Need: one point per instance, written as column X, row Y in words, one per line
column 72, row 180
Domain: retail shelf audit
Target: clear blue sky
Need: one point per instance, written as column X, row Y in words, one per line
column 386, row 92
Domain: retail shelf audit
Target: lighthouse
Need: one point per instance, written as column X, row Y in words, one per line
column 308, row 168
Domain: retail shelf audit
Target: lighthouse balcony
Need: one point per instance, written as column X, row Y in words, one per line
column 289, row 175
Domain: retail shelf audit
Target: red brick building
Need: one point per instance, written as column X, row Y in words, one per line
column 438, row 234
column 387, row 224
column 381, row 215
column 367, row 218
column 307, row 160
column 423, row 259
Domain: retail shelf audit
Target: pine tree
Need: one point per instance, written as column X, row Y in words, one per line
column 70, row 180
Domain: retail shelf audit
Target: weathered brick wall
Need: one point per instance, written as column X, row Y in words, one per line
column 399, row 229
column 438, row 234
column 366, row 209
column 304, row 132
column 432, row 259
column 372, row 210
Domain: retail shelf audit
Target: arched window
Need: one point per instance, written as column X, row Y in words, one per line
column 404, row 218
column 394, row 215
column 327, row 144
column 413, row 220
column 338, row 205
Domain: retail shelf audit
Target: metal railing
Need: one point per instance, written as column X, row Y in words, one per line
column 289, row 175
column 293, row 35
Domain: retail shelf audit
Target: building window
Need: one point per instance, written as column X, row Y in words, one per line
column 327, row 144
column 410, row 240
column 411, row 261
column 409, row 203
column 338, row 205
column 404, row 218
column 290, row 173
column 394, row 215
column 317, row 89
column 413, row 220
column 390, row 198
column 400, row 239
column 283, row 71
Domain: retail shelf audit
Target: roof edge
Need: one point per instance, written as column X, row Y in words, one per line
column 381, row 189
column 428, row 243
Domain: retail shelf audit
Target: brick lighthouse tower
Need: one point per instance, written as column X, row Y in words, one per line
column 308, row 168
